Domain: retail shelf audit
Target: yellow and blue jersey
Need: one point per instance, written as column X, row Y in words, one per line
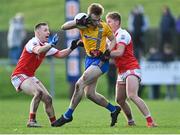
column 90, row 36
column 94, row 38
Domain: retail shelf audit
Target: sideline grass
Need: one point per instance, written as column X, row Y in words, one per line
column 88, row 119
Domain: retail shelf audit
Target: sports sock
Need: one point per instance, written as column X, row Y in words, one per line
column 149, row 119
column 52, row 119
column 130, row 121
column 32, row 116
column 111, row 107
column 68, row 113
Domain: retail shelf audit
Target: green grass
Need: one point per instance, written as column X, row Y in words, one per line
column 88, row 119
column 53, row 11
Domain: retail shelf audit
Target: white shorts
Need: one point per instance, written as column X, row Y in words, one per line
column 122, row 77
column 18, row 79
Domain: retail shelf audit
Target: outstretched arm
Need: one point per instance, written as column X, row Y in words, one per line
column 119, row 51
column 63, row 53
column 42, row 49
column 47, row 46
column 69, row 25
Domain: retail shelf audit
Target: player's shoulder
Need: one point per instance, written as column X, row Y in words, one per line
column 123, row 35
column 123, row 32
column 31, row 43
column 35, row 40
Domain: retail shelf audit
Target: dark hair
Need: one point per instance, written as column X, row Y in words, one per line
column 114, row 16
column 95, row 8
column 37, row 26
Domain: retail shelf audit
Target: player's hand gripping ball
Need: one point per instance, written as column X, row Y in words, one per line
column 81, row 20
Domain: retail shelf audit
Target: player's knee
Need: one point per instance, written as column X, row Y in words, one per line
column 39, row 94
column 120, row 101
column 77, row 86
column 132, row 96
column 85, row 76
column 88, row 95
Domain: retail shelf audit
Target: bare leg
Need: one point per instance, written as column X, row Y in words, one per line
column 31, row 88
column 97, row 98
column 87, row 78
column 47, row 99
column 121, row 99
column 132, row 86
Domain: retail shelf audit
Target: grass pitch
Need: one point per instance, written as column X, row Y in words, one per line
column 88, row 119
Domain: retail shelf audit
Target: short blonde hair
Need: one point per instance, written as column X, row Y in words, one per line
column 95, row 8
column 114, row 15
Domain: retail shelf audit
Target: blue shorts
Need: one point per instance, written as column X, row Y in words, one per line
column 95, row 61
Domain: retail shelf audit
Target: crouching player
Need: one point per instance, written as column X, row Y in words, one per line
column 23, row 77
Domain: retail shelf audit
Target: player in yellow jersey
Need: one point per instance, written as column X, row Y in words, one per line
column 93, row 33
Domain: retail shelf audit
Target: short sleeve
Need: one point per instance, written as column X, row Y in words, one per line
column 124, row 38
column 31, row 44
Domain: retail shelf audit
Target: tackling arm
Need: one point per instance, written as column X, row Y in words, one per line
column 119, row 51
column 65, row 52
column 106, row 55
column 112, row 43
